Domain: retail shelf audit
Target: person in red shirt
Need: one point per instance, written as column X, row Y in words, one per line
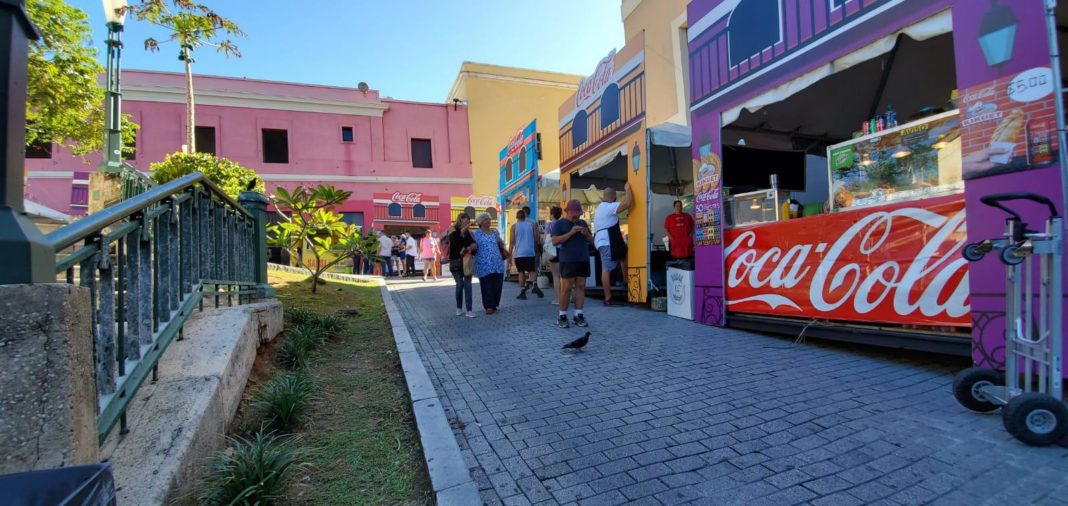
column 679, row 226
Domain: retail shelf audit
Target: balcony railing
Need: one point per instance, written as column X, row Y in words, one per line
column 148, row 262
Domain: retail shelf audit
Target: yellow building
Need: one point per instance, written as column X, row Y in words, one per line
column 627, row 123
column 501, row 101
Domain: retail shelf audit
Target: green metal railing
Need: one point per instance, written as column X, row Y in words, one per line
column 148, row 262
column 134, row 182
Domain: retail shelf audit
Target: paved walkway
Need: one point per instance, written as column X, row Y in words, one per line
column 659, row 410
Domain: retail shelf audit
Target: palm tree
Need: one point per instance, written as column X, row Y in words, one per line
column 192, row 26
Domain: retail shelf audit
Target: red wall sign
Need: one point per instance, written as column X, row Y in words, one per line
column 892, row 264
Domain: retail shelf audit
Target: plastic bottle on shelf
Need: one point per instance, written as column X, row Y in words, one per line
column 891, row 117
column 880, row 123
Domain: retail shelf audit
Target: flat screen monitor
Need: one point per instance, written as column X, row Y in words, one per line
column 750, row 169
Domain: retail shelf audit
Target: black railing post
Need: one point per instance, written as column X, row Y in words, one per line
column 28, row 258
column 256, row 204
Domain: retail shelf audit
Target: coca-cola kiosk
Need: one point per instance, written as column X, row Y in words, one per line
column 883, row 123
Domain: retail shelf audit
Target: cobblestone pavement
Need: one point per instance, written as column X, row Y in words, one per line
column 658, row 410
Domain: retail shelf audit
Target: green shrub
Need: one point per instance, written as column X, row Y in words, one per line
column 296, row 316
column 282, row 403
column 232, row 177
column 331, row 324
column 251, row 471
column 300, row 345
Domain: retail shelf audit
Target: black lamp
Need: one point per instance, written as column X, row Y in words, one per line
column 997, row 34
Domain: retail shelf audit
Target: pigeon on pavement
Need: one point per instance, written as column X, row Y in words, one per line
column 579, row 343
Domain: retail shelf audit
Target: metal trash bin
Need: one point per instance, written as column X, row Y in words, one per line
column 680, row 288
column 91, row 485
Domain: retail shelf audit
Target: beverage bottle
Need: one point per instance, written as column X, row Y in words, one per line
column 891, row 117
column 880, row 123
column 871, row 126
column 865, row 127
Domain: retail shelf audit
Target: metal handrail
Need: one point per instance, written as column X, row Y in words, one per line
column 148, row 262
column 70, row 234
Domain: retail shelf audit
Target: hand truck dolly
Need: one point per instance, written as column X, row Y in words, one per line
column 1030, row 389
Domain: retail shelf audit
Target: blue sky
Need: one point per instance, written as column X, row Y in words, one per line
column 407, row 49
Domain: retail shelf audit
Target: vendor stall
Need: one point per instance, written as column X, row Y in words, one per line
column 605, row 142
column 842, row 148
column 518, row 175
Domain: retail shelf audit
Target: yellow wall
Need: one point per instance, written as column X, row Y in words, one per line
column 664, row 24
column 500, row 101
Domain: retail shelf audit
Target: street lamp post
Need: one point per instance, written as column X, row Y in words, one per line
column 115, row 11
column 27, row 256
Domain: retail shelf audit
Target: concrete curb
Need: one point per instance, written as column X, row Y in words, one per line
column 449, row 475
column 363, row 278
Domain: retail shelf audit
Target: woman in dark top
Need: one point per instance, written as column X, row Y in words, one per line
column 460, row 240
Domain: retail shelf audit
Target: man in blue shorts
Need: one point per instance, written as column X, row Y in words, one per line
column 572, row 239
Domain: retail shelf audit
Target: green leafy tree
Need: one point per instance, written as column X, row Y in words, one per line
column 314, row 234
column 232, row 177
column 191, row 25
column 64, row 100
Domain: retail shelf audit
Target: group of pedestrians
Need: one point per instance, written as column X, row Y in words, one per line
column 481, row 253
column 397, row 255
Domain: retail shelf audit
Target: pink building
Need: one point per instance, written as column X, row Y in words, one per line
column 403, row 161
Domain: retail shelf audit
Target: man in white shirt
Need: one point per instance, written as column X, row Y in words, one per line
column 411, row 250
column 385, row 251
column 608, row 239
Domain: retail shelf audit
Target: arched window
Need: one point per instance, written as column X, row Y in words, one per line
column 523, row 161
column 394, row 210
column 508, row 170
column 753, row 27
column 578, row 129
column 609, row 105
column 419, row 211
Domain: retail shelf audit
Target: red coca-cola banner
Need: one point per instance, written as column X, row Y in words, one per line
column 899, row 263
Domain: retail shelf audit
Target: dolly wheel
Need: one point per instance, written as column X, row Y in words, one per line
column 973, row 253
column 967, row 386
column 1036, row 419
column 1009, row 256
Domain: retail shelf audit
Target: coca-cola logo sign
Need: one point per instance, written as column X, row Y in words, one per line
column 481, row 201
column 895, row 264
column 590, row 88
column 407, row 198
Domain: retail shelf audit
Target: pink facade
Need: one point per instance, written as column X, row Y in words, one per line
column 317, row 121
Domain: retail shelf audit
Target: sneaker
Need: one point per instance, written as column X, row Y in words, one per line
column 580, row 321
column 471, row 314
column 459, row 312
column 562, row 322
column 522, row 294
column 491, row 311
column 537, row 291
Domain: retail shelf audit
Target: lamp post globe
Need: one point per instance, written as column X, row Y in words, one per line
column 115, row 12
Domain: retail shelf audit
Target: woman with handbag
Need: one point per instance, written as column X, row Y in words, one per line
column 460, row 246
column 490, row 255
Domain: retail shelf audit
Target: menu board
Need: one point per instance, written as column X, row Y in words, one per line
column 707, row 221
column 1009, row 125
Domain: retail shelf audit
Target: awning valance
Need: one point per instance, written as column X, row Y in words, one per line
column 602, row 160
column 670, row 135
column 933, row 26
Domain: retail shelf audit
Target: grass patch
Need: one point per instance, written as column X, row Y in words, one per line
column 360, row 430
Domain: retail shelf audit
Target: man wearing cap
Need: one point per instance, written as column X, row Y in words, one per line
column 572, row 239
